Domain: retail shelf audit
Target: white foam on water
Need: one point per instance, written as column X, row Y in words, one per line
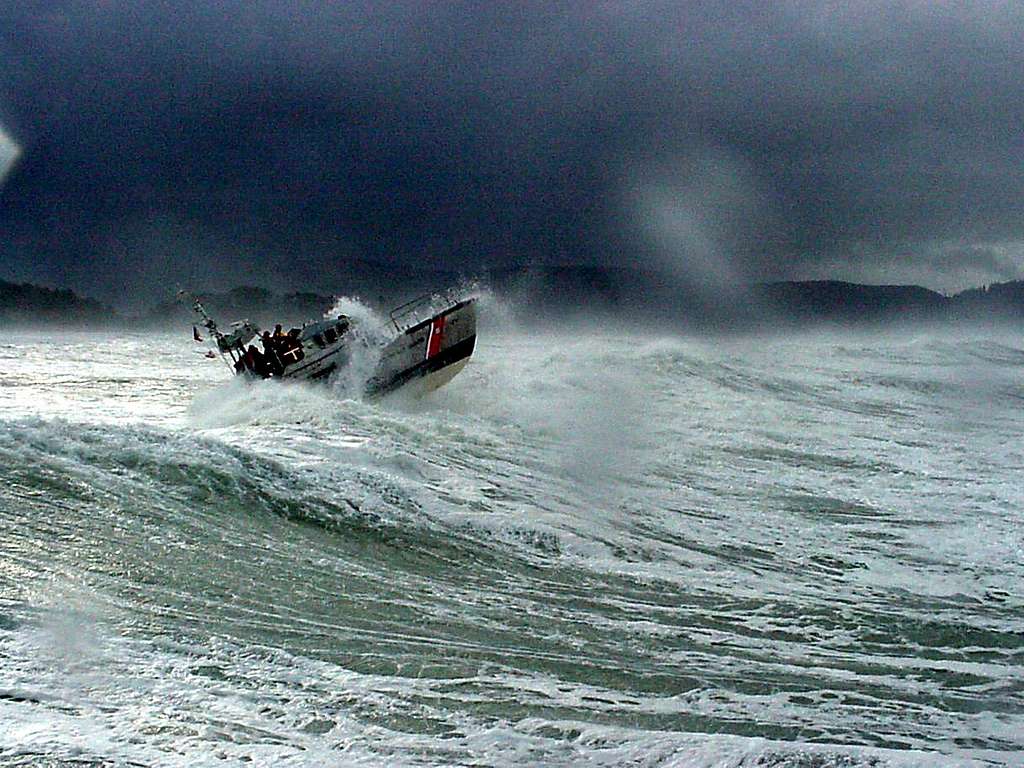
column 820, row 532
column 167, row 702
column 131, row 702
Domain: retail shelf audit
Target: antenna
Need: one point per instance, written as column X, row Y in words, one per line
column 208, row 322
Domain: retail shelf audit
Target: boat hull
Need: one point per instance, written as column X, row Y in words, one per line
column 428, row 354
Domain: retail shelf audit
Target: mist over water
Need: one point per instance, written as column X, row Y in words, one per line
column 590, row 548
column 9, row 152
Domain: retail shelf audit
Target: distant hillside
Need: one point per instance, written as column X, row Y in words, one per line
column 27, row 304
column 997, row 302
column 835, row 301
column 552, row 293
column 380, row 286
column 259, row 305
column 651, row 297
column 557, row 292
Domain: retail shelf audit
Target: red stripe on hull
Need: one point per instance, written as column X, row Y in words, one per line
column 435, row 337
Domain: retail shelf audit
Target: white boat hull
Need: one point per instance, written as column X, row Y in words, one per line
column 429, row 353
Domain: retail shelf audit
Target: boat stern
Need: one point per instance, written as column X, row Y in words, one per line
column 433, row 350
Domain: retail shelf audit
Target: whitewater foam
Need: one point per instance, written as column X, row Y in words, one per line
column 586, row 549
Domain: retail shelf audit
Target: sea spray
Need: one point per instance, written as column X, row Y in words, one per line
column 495, row 314
column 368, row 334
column 824, row 565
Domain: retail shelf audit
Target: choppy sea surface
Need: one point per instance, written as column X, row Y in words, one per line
column 592, row 548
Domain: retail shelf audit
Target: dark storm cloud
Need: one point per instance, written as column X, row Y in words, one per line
column 718, row 142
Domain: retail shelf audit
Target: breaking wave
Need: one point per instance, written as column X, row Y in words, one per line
column 587, row 549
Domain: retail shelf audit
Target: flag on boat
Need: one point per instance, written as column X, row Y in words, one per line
column 195, row 334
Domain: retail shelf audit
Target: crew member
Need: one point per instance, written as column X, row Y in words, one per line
column 271, row 355
column 291, row 347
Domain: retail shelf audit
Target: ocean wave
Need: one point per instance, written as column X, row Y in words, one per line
column 588, row 548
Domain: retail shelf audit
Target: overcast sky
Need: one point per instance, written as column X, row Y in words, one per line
column 206, row 143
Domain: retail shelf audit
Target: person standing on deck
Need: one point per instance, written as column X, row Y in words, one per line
column 271, row 355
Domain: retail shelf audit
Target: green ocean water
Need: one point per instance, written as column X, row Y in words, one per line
column 591, row 548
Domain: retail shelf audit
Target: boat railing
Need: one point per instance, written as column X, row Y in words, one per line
column 242, row 332
column 407, row 315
